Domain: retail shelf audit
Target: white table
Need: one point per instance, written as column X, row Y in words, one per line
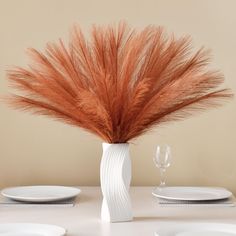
column 84, row 218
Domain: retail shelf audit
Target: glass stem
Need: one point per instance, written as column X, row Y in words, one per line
column 162, row 177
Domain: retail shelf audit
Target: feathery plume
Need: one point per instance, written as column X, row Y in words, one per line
column 120, row 83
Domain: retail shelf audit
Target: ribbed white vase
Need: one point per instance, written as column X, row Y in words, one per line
column 115, row 176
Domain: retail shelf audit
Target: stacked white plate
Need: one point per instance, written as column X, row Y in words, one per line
column 36, row 195
column 197, row 229
column 25, row 229
column 40, row 194
column 193, row 195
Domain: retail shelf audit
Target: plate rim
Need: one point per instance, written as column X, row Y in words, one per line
column 61, row 231
column 37, row 199
column 179, row 227
column 228, row 193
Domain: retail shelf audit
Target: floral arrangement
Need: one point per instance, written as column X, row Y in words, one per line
column 119, row 83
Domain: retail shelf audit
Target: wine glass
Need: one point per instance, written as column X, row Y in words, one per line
column 162, row 161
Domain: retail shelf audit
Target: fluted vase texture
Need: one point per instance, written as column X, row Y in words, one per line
column 115, row 176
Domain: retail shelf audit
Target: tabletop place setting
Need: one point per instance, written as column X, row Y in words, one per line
column 117, row 82
column 165, row 196
column 36, row 196
column 186, row 195
column 190, row 196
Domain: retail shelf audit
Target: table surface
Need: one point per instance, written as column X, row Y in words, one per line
column 84, row 218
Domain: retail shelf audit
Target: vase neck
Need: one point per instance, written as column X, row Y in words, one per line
column 110, row 145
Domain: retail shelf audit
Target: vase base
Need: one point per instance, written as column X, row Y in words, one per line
column 106, row 218
column 121, row 214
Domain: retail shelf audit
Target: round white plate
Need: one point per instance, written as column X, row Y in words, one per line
column 192, row 193
column 197, row 229
column 25, row 229
column 40, row 193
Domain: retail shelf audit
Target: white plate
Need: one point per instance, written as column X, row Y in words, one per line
column 40, row 193
column 197, row 229
column 192, row 193
column 25, row 229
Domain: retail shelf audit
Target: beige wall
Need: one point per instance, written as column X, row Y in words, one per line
column 36, row 150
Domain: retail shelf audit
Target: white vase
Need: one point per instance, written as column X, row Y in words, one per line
column 115, row 176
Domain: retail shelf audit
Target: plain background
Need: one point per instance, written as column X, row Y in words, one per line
column 37, row 150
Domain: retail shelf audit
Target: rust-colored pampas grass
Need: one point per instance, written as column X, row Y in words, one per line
column 118, row 84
